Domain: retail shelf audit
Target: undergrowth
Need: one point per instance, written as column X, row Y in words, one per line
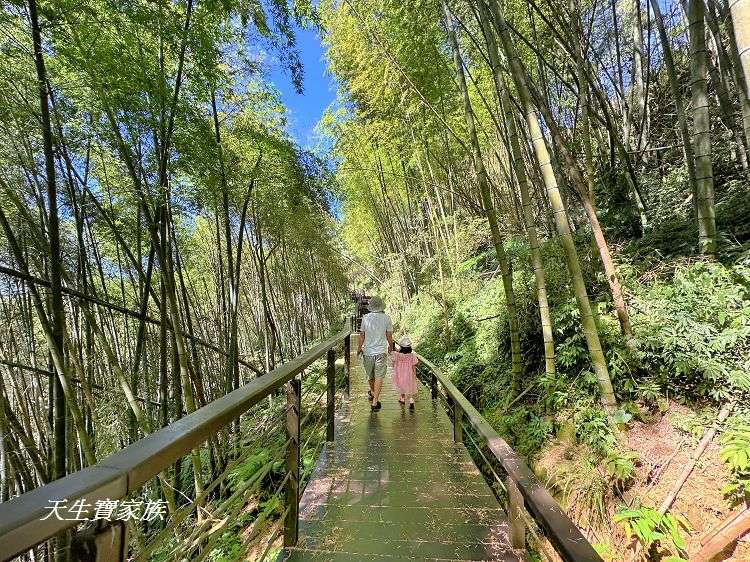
column 691, row 324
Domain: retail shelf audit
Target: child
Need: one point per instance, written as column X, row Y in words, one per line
column 405, row 371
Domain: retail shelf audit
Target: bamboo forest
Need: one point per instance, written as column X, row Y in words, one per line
column 224, row 225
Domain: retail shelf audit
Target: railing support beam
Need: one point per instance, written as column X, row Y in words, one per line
column 291, row 496
column 330, row 393
column 347, row 363
column 107, row 543
column 458, row 423
column 515, row 514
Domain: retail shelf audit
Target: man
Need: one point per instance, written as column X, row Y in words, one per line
column 375, row 341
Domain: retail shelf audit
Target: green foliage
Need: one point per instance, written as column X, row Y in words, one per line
column 594, row 429
column 674, row 234
column 693, row 423
column 524, row 429
column 736, row 445
column 556, row 391
column 466, row 369
column 648, row 390
column 533, row 435
column 584, row 488
column 653, row 529
column 571, row 352
column 693, row 330
column 602, row 549
column 735, row 452
column 398, row 141
column 700, row 356
column 248, row 469
column 621, row 467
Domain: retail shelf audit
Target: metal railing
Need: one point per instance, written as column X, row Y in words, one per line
column 523, row 490
column 23, row 524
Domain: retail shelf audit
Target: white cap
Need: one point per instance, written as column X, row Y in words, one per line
column 405, row 341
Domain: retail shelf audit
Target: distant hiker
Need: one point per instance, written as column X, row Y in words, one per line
column 375, row 342
column 405, row 371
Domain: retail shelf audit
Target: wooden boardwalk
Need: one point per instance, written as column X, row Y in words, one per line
column 394, row 486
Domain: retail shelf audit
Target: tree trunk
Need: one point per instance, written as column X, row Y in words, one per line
column 638, row 117
column 232, row 374
column 55, row 352
column 739, row 38
column 487, row 203
column 57, row 319
column 586, row 188
column 674, row 84
column 701, row 129
column 610, row 271
column 599, row 362
column 523, row 187
column 730, row 68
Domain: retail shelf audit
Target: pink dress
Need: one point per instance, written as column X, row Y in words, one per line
column 404, row 378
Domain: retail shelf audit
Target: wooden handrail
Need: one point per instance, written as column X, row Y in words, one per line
column 564, row 535
column 114, row 477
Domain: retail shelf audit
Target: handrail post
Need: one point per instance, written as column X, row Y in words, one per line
column 458, row 427
column 433, row 385
column 515, row 514
column 291, row 496
column 347, row 362
column 330, row 392
column 105, row 543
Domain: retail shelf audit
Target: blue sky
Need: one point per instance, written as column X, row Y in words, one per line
column 305, row 110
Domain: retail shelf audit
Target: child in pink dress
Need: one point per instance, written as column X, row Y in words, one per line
column 405, row 371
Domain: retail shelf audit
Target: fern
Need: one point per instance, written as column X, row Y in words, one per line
column 735, row 452
column 653, row 529
column 621, row 467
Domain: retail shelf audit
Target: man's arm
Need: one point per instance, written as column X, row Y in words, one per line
column 362, row 332
column 389, row 337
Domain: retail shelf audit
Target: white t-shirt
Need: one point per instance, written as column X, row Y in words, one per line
column 375, row 325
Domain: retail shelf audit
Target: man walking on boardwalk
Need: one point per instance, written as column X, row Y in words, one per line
column 375, row 342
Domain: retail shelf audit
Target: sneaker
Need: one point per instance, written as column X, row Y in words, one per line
column 376, row 407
